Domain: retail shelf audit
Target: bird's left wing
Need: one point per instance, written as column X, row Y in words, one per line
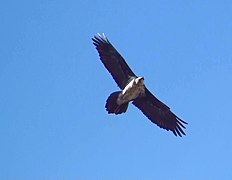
column 159, row 113
column 112, row 60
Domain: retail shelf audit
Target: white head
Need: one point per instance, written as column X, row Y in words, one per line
column 139, row 80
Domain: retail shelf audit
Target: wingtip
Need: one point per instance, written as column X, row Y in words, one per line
column 100, row 36
column 181, row 120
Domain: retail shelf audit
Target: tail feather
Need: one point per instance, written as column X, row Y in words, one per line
column 112, row 106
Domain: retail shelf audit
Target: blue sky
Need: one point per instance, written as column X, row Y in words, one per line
column 53, row 124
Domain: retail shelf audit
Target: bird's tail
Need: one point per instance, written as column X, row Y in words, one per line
column 112, row 106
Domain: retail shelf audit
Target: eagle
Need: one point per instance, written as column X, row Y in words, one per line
column 133, row 90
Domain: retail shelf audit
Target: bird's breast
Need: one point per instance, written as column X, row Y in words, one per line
column 130, row 92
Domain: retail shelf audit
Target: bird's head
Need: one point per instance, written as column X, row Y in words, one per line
column 139, row 80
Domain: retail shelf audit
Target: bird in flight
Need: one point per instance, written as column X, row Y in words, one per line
column 133, row 90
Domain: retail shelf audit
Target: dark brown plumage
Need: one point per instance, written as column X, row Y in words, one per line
column 154, row 109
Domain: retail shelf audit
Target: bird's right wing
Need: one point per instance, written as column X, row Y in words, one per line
column 159, row 113
column 113, row 61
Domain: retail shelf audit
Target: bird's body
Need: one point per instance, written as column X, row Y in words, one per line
column 133, row 89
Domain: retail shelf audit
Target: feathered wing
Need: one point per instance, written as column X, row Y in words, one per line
column 113, row 61
column 159, row 113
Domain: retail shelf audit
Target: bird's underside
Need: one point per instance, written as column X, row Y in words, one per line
column 133, row 90
column 117, row 102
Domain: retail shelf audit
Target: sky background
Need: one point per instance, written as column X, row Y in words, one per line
column 53, row 87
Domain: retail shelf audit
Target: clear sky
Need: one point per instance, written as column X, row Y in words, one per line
column 53, row 124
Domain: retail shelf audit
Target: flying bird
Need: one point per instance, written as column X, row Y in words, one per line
column 133, row 90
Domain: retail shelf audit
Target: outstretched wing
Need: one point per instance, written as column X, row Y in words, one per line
column 159, row 113
column 113, row 61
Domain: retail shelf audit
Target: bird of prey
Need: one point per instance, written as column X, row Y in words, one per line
column 133, row 90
